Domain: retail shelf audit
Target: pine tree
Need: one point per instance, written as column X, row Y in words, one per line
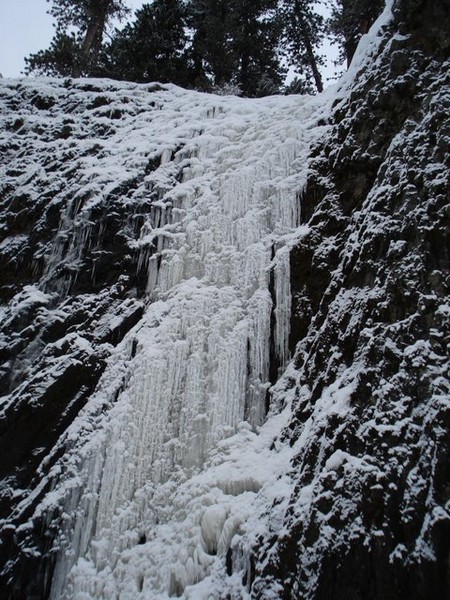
column 350, row 19
column 205, row 44
column 76, row 52
column 255, row 43
column 234, row 45
column 152, row 48
column 62, row 59
column 303, row 32
column 210, row 53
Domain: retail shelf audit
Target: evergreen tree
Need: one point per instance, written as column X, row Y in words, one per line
column 76, row 52
column 206, row 44
column 152, row 47
column 235, row 45
column 210, row 53
column 255, row 40
column 303, row 32
column 350, row 19
column 62, row 59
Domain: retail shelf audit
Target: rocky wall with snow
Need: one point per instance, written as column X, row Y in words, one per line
column 224, row 334
column 147, row 302
column 368, row 516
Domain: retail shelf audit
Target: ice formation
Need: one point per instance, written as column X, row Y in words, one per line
column 151, row 488
column 162, row 472
column 157, row 439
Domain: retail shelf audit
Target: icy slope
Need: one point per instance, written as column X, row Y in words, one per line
column 202, row 193
column 198, row 363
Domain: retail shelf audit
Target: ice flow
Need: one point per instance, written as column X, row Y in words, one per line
column 157, row 478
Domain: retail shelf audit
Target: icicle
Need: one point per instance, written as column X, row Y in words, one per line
column 282, row 304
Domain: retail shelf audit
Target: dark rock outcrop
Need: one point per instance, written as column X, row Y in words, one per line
column 72, row 286
column 371, row 324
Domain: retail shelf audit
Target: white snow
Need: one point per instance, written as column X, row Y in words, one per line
column 167, row 462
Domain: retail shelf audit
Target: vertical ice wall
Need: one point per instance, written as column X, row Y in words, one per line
column 196, row 369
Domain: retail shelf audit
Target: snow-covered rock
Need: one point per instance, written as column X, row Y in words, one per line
column 224, row 334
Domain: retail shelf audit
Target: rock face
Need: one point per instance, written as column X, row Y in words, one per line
column 369, row 517
column 70, row 283
column 157, row 230
column 366, row 511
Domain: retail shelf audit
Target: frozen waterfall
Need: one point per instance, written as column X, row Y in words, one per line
column 163, row 466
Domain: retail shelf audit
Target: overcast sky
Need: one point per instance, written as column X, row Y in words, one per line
column 25, row 27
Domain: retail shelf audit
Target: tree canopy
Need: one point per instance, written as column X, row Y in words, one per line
column 78, row 39
column 303, row 33
column 240, row 45
column 350, row 19
column 151, row 48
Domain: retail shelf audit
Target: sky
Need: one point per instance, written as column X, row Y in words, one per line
column 25, row 28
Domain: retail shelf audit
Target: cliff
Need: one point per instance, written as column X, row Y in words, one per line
column 368, row 516
column 225, row 334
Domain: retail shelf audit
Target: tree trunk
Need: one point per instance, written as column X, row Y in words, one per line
column 308, row 47
column 94, row 34
column 313, row 63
